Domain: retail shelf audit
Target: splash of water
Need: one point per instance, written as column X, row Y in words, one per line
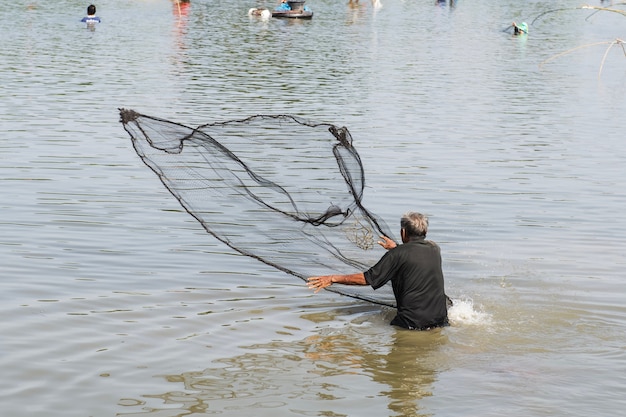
column 463, row 312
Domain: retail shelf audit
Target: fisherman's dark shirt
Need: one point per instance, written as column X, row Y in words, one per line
column 414, row 269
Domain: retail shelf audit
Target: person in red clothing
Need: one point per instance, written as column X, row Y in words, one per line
column 414, row 269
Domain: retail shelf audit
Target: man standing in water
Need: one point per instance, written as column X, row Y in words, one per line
column 91, row 17
column 414, row 268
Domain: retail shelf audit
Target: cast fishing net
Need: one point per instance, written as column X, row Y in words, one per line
column 282, row 190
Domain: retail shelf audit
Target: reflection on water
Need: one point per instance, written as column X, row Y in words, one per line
column 328, row 373
column 409, row 369
column 181, row 10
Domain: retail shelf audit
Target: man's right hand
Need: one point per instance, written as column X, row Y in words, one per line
column 386, row 243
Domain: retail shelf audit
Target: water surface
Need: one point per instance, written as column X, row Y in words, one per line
column 115, row 302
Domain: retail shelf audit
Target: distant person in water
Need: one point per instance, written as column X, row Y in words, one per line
column 284, row 6
column 521, row 29
column 91, row 17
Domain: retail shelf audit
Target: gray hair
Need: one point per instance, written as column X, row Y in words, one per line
column 415, row 224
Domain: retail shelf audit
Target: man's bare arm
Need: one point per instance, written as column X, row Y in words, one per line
column 317, row 283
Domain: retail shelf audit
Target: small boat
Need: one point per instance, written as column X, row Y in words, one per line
column 294, row 9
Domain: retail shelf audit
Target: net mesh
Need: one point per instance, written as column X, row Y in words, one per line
column 277, row 188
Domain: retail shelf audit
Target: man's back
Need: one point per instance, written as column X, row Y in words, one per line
column 414, row 269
